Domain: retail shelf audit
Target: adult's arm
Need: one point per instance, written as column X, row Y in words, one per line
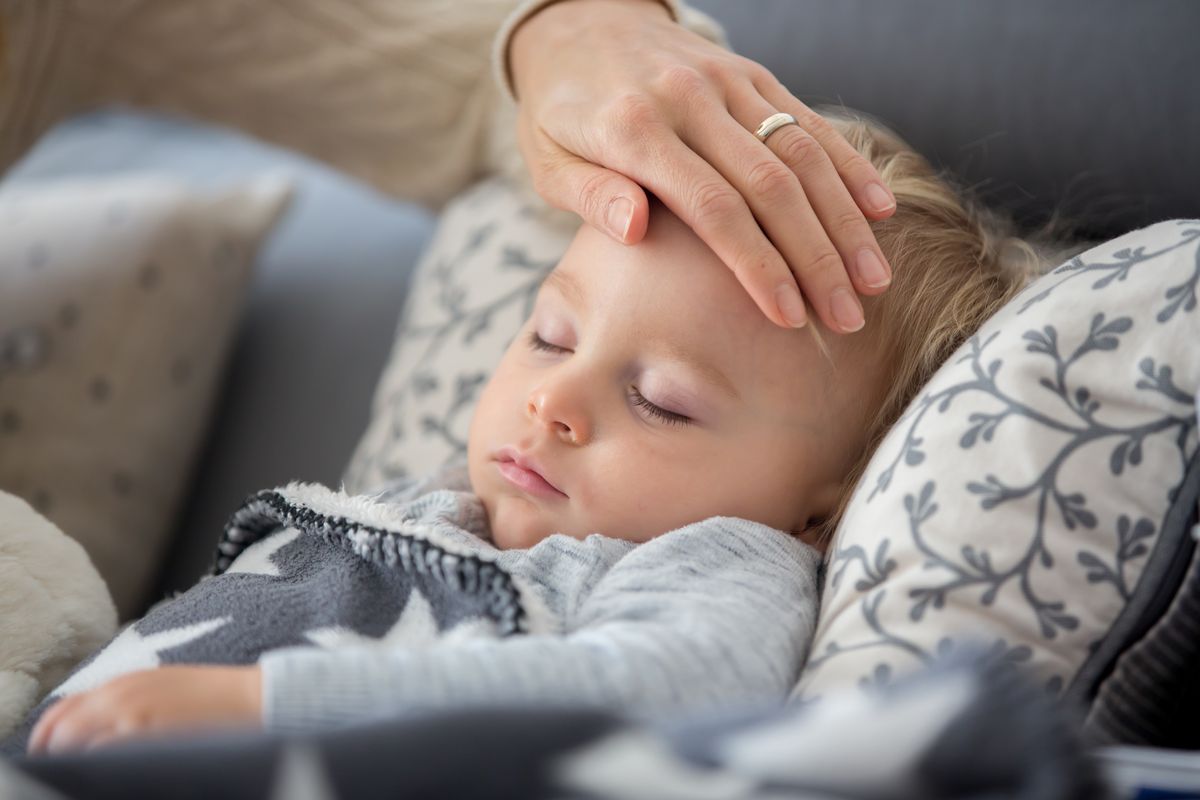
column 396, row 92
column 614, row 93
column 714, row 615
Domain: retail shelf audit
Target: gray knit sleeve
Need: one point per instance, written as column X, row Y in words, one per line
column 717, row 614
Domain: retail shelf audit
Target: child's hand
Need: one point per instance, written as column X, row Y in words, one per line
column 168, row 699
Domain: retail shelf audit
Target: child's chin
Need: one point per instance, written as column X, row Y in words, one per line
column 516, row 525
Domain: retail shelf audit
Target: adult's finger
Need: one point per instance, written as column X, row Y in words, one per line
column 650, row 151
column 607, row 200
column 861, row 178
column 840, row 218
column 783, row 209
column 818, row 190
column 700, row 196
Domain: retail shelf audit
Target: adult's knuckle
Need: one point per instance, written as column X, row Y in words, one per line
column 824, row 266
column 799, row 150
column 630, row 115
column 816, row 125
column 756, row 72
column 771, row 181
column 592, row 195
column 846, row 221
column 713, row 203
column 718, row 70
column 683, row 82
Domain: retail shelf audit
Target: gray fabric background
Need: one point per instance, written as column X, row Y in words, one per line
column 1090, row 106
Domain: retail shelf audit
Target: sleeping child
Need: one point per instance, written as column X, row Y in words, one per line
column 652, row 472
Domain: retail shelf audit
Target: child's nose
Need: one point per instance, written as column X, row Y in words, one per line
column 560, row 408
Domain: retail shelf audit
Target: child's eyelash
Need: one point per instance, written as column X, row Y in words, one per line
column 669, row 417
column 538, row 343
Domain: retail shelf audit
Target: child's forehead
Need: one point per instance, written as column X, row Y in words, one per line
column 669, row 286
column 670, row 254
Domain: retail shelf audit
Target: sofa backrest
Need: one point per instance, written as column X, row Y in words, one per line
column 1086, row 107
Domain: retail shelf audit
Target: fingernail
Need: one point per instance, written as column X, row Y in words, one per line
column 846, row 310
column 871, row 269
column 791, row 305
column 879, row 197
column 619, row 216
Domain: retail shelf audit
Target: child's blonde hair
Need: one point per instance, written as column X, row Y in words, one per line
column 954, row 264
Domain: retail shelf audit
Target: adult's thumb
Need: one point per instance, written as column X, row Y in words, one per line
column 606, row 200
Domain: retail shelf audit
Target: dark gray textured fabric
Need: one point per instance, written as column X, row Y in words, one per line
column 1152, row 697
column 981, row 733
column 1087, row 106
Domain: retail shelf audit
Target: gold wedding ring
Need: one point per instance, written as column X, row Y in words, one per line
column 772, row 124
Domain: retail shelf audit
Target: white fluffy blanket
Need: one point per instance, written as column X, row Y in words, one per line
column 54, row 608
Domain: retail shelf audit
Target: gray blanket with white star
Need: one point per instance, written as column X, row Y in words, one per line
column 355, row 607
column 299, row 573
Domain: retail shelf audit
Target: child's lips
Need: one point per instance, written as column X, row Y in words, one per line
column 525, row 474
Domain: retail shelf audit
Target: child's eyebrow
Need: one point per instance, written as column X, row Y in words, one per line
column 708, row 371
column 568, row 286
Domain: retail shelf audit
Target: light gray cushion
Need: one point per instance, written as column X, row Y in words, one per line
column 119, row 299
column 317, row 326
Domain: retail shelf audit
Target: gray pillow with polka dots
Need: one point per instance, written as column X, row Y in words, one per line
column 118, row 301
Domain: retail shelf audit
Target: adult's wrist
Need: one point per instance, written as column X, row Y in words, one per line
column 533, row 19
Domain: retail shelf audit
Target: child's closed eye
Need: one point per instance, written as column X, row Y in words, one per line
column 669, row 417
column 536, row 342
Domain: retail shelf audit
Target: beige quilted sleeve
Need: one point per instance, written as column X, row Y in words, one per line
column 403, row 94
column 394, row 92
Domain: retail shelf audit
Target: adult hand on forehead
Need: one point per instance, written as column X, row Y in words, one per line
column 613, row 94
